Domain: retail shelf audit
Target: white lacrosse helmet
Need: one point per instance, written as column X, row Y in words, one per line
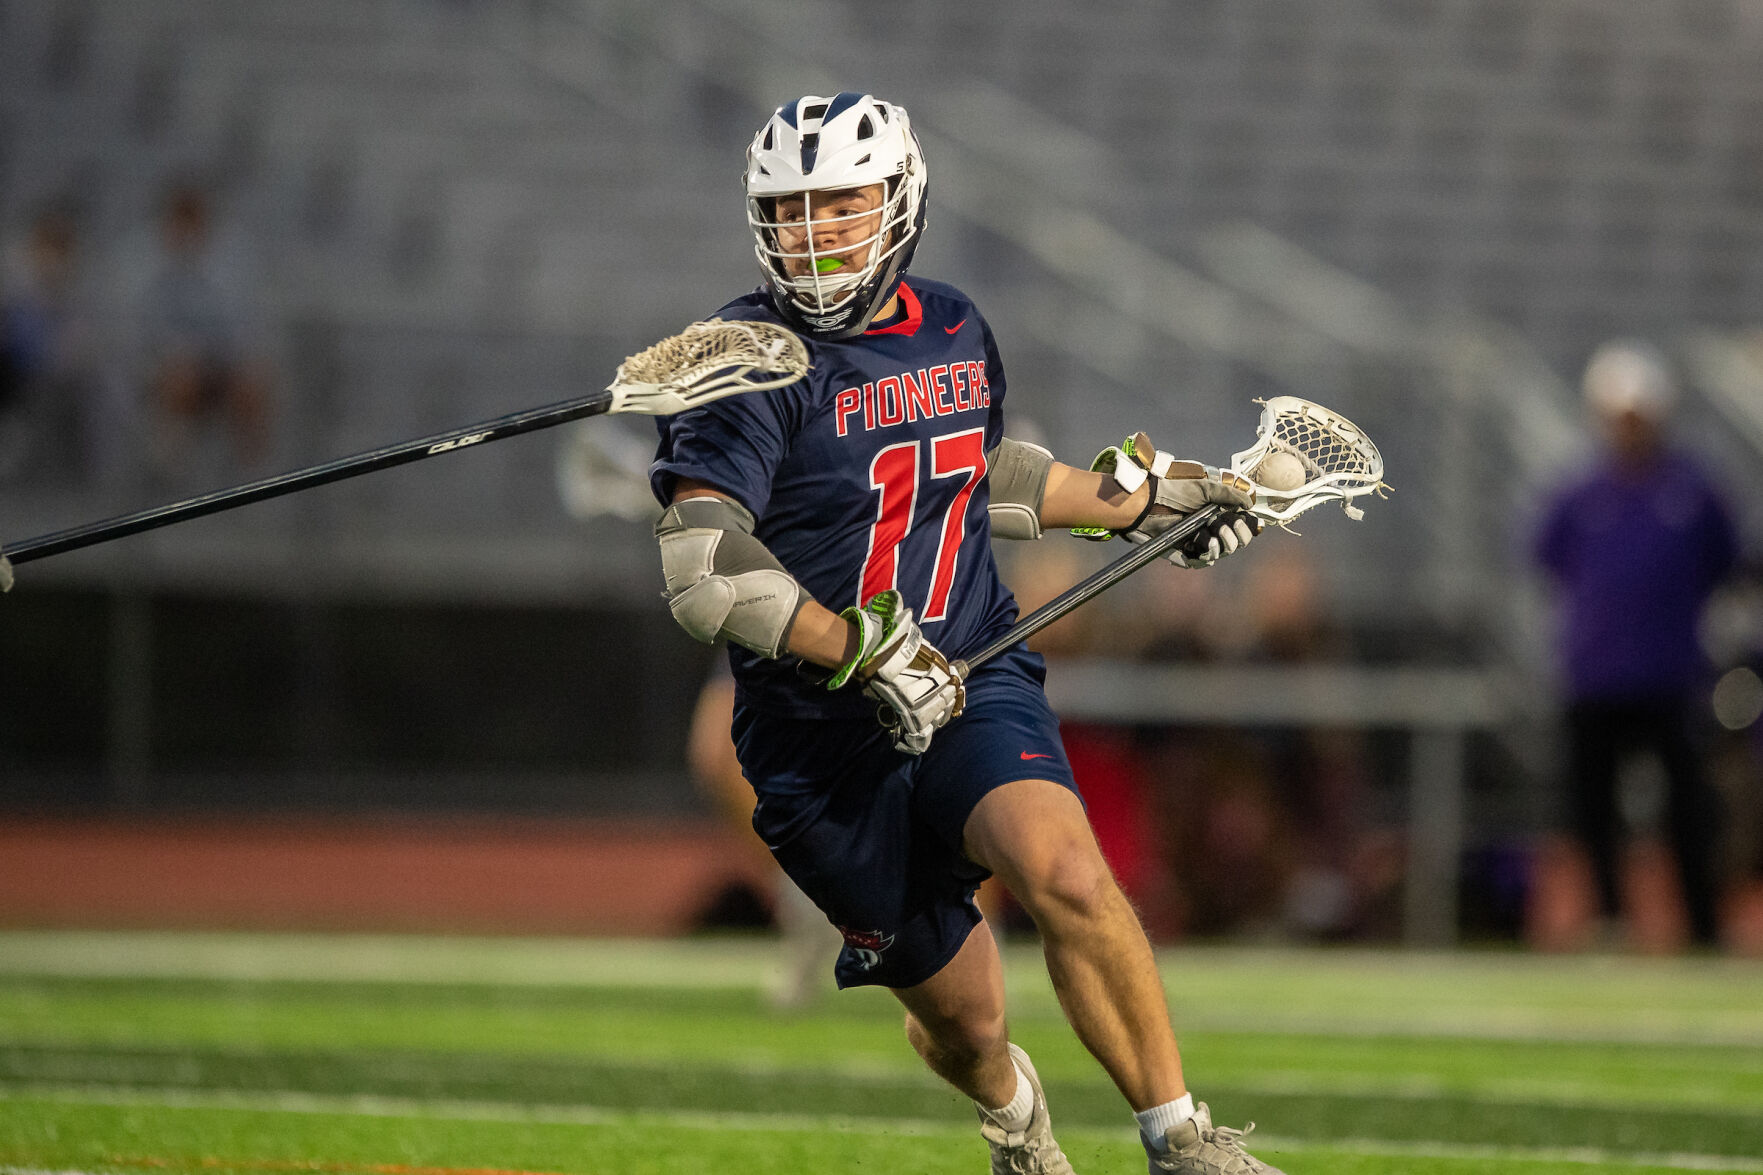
column 815, row 144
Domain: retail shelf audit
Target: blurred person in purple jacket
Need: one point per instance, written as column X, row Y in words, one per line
column 1635, row 547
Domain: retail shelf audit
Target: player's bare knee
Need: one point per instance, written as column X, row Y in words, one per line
column 962, row 1040
column 1071, row 880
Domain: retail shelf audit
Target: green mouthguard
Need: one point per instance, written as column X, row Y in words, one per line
column 827, row 264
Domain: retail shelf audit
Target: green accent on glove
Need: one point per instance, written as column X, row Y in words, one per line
column 887, row 605
column 875, row 623
column 1104, row 463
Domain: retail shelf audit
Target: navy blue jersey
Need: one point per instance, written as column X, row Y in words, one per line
column 867, row 474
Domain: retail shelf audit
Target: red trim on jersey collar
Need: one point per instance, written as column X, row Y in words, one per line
column 908, row 325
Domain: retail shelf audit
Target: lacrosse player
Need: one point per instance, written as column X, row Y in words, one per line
column 836, row 532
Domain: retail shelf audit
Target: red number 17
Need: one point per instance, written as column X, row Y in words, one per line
column 895, row 473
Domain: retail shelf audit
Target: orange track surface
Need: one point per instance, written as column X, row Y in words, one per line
column 501, row 876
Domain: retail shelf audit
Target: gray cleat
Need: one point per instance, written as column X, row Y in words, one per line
column 1197, row 1147
column 1031, row 1151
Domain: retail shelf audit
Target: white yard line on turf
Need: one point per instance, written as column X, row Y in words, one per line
column 374, row 1106
column 387, row 958
column 899, row 1073
column 1335, row 993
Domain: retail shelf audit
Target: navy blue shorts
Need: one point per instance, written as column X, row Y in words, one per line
column 874, row 835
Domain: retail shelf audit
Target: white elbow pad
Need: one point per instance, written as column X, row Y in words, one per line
column 721, row 581
column 1018, row 478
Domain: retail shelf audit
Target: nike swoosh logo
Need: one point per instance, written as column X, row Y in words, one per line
column 949, row 330
column 1026, row 755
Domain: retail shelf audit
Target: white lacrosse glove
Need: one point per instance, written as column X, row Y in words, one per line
column 898, row 667
column 1178, row 488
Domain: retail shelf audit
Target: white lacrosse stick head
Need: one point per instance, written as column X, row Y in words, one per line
column 705, row 362
column 1337, row 460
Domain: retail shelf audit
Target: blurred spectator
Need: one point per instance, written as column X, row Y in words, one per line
column 1340, row 866
column 1177, row 617
column 809, row 941
column 199, row 355
column 1036, row 572
column 1270, row 827
column 48, row 376
column 1635, row 547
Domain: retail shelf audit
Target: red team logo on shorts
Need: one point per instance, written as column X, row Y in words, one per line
column 867, row 945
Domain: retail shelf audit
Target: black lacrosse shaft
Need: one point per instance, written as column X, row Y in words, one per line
column 513, row 424
column 1097, row 583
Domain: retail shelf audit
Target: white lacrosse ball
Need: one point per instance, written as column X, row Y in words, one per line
column 1281, row 472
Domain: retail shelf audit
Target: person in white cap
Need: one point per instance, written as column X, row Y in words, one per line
column 1635, row 546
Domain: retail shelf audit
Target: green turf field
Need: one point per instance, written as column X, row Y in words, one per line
column 423, row 1056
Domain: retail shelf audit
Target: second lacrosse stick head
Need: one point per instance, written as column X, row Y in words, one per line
column 1309, row 454
column 705, row 362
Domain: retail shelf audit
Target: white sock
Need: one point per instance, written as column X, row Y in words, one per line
column 1156, row 1122
column 1015, row 1116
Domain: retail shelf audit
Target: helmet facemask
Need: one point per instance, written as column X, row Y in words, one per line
column 821, row 261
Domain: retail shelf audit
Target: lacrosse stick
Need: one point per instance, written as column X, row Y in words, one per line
column 1314, row 455
column 704, row 362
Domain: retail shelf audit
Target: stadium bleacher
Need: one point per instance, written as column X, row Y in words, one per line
column 461, row 208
